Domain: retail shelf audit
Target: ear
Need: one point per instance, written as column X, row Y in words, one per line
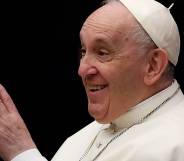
column 156, row 64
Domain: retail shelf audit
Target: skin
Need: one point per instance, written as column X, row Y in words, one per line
column 111, row 62
column 14, row 135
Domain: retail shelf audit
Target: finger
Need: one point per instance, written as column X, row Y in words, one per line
column 3, row 109
column 6, row 100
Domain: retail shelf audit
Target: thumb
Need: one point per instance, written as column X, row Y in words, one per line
column 6, row 100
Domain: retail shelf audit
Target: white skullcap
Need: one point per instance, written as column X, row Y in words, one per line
column 158, row 22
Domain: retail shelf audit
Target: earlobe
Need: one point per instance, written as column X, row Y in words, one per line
column 156, row 64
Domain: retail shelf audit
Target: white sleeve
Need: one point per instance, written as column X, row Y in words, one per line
column 29, row 155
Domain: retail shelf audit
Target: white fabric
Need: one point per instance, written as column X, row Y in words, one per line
column 142, row 109
column 29, row 155
column 159, row 138
column 158, row 22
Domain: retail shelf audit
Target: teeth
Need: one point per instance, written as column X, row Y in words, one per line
column 96, row 88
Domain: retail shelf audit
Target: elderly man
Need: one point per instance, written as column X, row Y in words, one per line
column 129, row 50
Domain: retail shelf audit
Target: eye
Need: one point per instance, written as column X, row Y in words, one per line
column 104, row 55
column 82, row 52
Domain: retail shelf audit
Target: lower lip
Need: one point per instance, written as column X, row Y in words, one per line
column 96, row 94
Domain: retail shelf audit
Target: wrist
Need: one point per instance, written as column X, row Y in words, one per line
column 13, row 152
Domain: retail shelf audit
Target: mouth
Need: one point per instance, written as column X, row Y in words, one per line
column 96, row 93
column 96, row 88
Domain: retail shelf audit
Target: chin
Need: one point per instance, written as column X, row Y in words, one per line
column 103, row 121
column 102, row 118
column 100, row 111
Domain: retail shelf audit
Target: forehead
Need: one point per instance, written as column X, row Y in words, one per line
column 109, row 20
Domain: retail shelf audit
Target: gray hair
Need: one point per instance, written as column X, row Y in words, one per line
column 140, row 36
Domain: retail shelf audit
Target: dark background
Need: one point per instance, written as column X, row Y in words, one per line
column 39, row 62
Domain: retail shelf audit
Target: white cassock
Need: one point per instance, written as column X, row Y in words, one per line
column 158, row 137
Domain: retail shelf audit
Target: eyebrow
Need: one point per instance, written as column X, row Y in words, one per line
column 101, row 40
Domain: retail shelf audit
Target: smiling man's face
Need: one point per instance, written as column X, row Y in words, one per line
column 111, row 67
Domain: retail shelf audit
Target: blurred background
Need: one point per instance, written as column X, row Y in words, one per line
column 39, row 62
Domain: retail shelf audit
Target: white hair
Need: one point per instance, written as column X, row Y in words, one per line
column 140, row 36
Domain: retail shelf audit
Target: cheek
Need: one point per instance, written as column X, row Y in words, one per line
column 122, row 81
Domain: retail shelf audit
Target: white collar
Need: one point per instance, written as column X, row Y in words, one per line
column 142, row 109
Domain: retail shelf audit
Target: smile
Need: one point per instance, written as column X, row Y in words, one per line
column 95, row 88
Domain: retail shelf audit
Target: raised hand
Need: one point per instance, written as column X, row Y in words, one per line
column 14, row 135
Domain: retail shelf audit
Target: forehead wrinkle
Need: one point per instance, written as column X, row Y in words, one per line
column 109, row 22
column 102, row 25
column 103, row 29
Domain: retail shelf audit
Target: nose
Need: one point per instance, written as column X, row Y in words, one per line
column 86, row 67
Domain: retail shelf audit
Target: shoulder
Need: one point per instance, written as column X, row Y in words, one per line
column 168, row 126
column 77, row 143
column 162, row 138
column 161, row 144
column 156, row 139
column 90, row 128
column 89, row 131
